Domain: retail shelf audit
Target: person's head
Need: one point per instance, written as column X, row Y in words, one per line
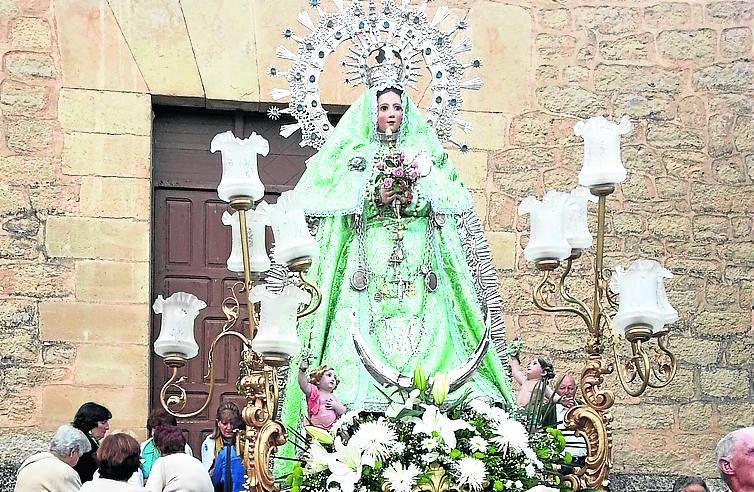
column 389, row 109
column 169, row 440
column 118, row 457
column 689, row 484
column 734, row 456
column 540, row 368
column 93, row 418
column 159, row 417
column 567, row 388
column 68, row 444
column 324, row 378
column 227, row 420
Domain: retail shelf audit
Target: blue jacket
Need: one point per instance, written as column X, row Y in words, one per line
column 221, row 471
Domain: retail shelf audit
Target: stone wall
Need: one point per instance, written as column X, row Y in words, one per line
column 75, row 96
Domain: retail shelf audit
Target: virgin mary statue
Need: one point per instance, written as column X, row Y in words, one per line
column 391, row 263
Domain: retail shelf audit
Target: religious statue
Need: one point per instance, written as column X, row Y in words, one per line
column 322, row 408
column 402, row 257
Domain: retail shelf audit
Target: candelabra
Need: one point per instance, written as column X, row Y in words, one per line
column 628, row 310
column 271, row 339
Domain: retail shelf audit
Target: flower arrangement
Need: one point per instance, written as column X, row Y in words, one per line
column 418, row 441
column 392, row 173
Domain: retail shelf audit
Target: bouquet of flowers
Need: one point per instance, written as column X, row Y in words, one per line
column 394, row 174
column 418, row 441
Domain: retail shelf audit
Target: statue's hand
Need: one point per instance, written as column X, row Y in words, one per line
column 387, row 196
column 304, row 365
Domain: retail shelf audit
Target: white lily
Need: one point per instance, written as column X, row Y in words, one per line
column 319, row 458
column 440, row 387
column 345, row 465
column 396, row 407
column 434, row 421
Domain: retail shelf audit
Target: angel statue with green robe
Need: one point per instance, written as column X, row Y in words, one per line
column 402, row 260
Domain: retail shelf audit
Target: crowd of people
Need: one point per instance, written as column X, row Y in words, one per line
column 84, row 457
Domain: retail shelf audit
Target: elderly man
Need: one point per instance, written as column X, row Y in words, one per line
column 735, row 459
column 574, row 445
column 53, row 471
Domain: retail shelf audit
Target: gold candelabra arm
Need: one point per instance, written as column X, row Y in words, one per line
column 636, row 365
column 565, row 292
column 314, row 291
column 546, row 288
column 666, row 365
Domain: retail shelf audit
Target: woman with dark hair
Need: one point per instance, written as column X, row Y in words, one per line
column 690, row 484
column 94, row 421
column 149, row 452
column 219, row 453
column 174, row 470
column 118, row 459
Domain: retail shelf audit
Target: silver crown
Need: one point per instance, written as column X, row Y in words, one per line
column 384, row 67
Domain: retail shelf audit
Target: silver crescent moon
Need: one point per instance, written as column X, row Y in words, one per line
column 387, row 376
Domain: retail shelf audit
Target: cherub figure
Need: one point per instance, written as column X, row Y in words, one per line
column 322, row 408
column 538, row 371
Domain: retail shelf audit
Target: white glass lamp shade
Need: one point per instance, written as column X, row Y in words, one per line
column 179, row 312
column 640, row 298
column 602, row 162
column 292, row 237
column 669, row 313
column 546, row 226
column 255, row 226
column 577, row 227
column 240, row 174
column 276, row 333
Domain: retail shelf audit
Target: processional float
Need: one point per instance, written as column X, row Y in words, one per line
column 559, row 234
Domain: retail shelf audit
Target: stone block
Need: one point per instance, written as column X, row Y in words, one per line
column 670, row 226
column 521, row 160
column 607, row 19
column 95, row 238
column 576, row 75
column 731, row 103
column 711, row 228
column 666, row 135
column 638, row 187
column 28, row 135
column 57, row 199
column 743, row 137
column 730, row 12
column 721, row 297
column 28, row 65
column 694, row 267
column 632, row 47
column 231, row 18
column 737, row 253
column 30, row 33
column 695, row 351
column 721, row 134
column 156, row 33
column 628, row 223
column 720, row 324
column 730, row 170
column 60, row 401
column 99, row 364
column 94, row 323
column 560, row 178
column 733, row 416
column 629, row 78
column 107, row 155
column 23, row 377
column 539, row 128
column 546, row 74
column 736, row 77
column 495, row 25
column 91, row 111
column 695, row 45
column 116, row 197
column 672, row 188
column 650, row 106
column 517, row 186
column 695, row 417
column 721, row 198
column 685, row 164
column 736, row 42
column 36, row 280
column 109, row 281
column 488, row 133
column 644, row 416
column 17, row 248
column 100, row 58
column 571, row 100
column 680, row 389
column 472, row 168
column 501, row 212
column 58, row 353
column 741, row 227
column 13, row 200
column 28, row 170
column 21, row 99
column 555, row 47
column 503, row 245
column 555, row 19
column 9, row 8
column 479, row 197
column 692, row 112
column 724, row 383
column 663, row 15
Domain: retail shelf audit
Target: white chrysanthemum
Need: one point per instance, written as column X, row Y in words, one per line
column 511, row 435
column 428, row 458
column 345, row 420
column 429, row 443
column 542, row 488
column 376, row 439
column 518, row 484
column 471, row 472
column 401, row 479
column 530, row 471
column 480, row 407
column 478, row 444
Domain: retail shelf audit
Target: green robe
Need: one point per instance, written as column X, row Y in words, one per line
column 403, row 324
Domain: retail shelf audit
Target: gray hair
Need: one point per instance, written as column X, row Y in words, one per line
column 727, row 445
column 66, row 439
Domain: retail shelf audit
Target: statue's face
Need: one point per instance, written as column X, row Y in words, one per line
column 389, row 112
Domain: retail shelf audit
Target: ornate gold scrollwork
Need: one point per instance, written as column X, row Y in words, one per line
column 594, row 427
column 592, row 377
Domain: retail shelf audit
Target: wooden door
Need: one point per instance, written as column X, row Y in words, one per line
column 190, row 244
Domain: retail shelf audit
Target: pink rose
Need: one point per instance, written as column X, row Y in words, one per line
column 388, row 183
column 398, row 172
column 414, row 174
column 409, row 196
column 380, row 166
